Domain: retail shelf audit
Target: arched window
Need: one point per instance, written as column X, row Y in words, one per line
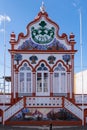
column 42, row 80
column 25, row 79
column 59, row 80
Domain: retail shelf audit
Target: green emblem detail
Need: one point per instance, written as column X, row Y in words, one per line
column 42, row 35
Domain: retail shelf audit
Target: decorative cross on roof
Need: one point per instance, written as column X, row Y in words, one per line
column 42, row 8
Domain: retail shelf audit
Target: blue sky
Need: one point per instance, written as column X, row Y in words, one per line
column 64, row 12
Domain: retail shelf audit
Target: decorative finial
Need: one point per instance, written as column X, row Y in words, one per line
column 42, row 8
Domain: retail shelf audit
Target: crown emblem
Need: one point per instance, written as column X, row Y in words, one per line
column 42, row 34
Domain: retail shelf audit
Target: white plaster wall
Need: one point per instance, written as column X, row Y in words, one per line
column 80, row 85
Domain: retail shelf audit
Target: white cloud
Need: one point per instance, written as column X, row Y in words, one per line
column 2, row 30
column 4, row 17
column 7, row 18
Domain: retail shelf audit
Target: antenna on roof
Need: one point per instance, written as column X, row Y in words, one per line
column 42, row 8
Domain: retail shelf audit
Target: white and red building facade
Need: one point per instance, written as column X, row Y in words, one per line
column 42, row 70
column 42, row 62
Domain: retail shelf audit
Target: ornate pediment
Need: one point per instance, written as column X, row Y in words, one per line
column 42, row 34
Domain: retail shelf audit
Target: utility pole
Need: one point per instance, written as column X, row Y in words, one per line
column 81, row 57
column 81, row 49
column 4, row 53
column 4, row 66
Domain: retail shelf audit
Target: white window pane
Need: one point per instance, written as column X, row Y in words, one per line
column 28, row 82
column 39, row 82
column 21, row 82
column 56, row 82
column 25, row 79
column 63, row 82
column 45, row 82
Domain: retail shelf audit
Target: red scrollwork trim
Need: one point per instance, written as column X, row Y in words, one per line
column 43, row 61
column 22, row 63
column 60, row 61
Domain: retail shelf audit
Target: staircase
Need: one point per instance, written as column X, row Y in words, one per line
column 13, row 110
column 74, row 109
column 65, row 103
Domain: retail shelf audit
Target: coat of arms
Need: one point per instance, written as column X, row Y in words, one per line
column 42, row 34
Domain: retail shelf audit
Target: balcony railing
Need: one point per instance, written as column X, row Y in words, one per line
column 43, row 101
column 79, row 99
column 5, row 99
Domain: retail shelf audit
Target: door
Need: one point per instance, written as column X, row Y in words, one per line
column 42, row 81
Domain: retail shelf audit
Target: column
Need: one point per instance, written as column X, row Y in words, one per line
column 12, row 78
column 51, row 84
column 34, row 84
column 72, row 78
column 68, row 84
